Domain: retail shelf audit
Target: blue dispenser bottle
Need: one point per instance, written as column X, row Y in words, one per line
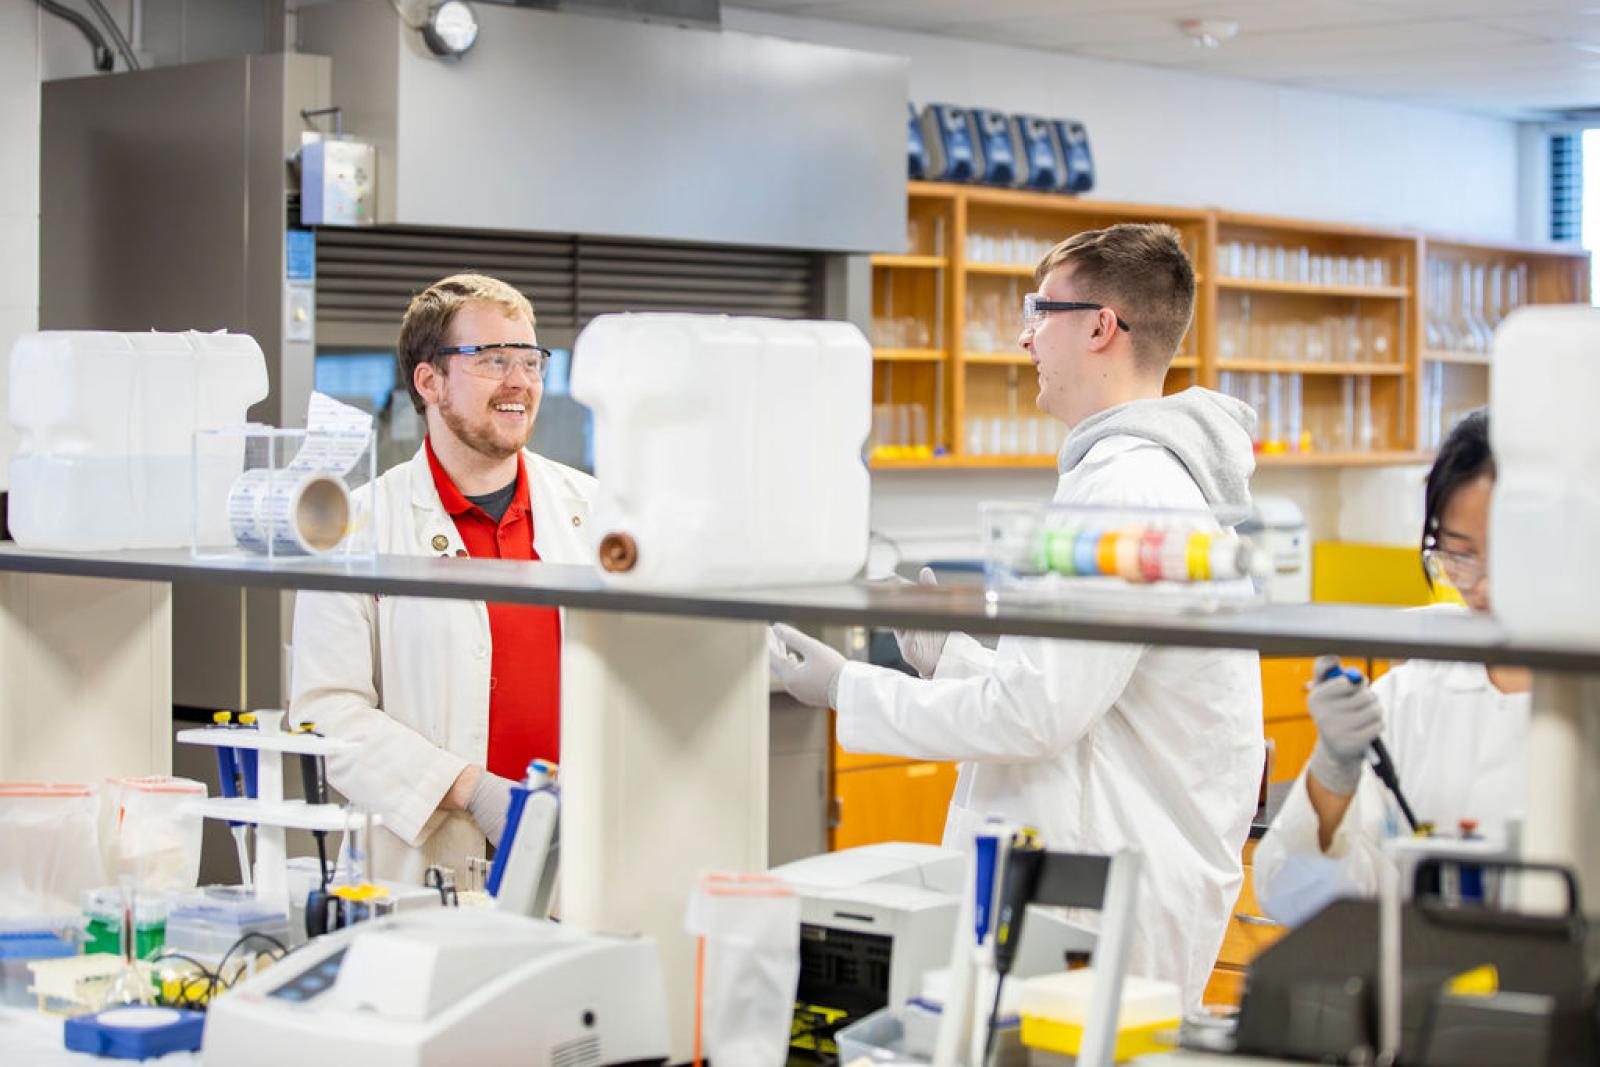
column 996, row 148
column 1074, row 140
column 916, row 150
column 1042, row 166
column 945, row 134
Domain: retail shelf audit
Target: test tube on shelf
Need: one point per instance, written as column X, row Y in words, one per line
column 1347, row 411
column 1274, row 435
column 1364, row 424
column 1294, row 435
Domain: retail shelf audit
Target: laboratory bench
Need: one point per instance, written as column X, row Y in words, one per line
column 674, row 685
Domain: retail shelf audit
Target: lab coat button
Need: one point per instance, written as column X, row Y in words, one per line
column 577, row 521
column 440, row 542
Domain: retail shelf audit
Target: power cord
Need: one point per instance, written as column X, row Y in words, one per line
column 116, row 33
column 104, row 59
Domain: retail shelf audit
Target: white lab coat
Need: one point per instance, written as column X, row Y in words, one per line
column 1460, row 747
column 407, row 679
column 1099, row 746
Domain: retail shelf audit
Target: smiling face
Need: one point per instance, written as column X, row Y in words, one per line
column 1069, row 349
column 493, row 418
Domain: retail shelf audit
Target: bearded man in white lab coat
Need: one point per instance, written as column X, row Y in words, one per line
column 1100, row 746
column 447, row 701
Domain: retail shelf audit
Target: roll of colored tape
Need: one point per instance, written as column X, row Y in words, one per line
column 1129, row 542
column 1083, row 553
column 1150, row 554
column 1105, row 554
column 1199, row 557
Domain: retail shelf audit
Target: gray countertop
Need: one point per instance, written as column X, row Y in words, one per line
column 1290, row 629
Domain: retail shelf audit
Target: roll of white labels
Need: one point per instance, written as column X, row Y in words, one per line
column 289, row 513
column 303, row 508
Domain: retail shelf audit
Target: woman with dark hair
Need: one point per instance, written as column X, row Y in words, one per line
column 1457, row 731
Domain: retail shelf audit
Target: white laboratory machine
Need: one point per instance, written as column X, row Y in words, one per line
column 1279, row 526
column 449, row 986
column 874, row 920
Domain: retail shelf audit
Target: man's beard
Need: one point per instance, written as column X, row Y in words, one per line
column 482, row 439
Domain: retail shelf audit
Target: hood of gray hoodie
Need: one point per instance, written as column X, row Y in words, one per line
column 1209, row 433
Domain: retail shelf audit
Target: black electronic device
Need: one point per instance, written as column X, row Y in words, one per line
column 1314, row 994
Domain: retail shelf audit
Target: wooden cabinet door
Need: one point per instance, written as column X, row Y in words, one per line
column 905, row 802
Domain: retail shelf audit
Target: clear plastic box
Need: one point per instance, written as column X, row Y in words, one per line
column 883, row 1038
column 267, row 493
column 19, row 950
column 207, row 923
column 878, row 1038
column 1151, row 560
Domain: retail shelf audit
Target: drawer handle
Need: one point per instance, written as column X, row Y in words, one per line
column 1255, row 920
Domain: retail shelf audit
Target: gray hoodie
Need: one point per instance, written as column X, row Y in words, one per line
column 1207, row 432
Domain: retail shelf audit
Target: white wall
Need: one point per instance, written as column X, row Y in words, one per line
column 1172, row 137
column 19, row 193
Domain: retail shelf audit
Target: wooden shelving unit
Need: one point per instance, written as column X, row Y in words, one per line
column 969, row 259
column 1293, row 366
column 1335, row 314
column 1489, row 280
column 908, row 355
column 1445, row 355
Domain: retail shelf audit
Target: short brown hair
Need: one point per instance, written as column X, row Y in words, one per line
column 432, row 311
column 1142, row 271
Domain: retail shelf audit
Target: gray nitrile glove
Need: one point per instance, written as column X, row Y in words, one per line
column 491, row 799
column 922, row 648
column 808, row 668
column 1349, row 718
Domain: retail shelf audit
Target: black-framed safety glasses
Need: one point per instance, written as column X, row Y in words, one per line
column 1035, row 308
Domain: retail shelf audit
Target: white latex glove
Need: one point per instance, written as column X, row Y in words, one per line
column 807, row 668
column 489, row 803
column 922, row 648
column 1349, row 718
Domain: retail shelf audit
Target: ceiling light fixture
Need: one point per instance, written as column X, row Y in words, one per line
column 451, row 28
column 1209, row 33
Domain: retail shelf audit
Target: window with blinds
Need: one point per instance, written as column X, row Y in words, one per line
column 366, row 277
column 1566, row 187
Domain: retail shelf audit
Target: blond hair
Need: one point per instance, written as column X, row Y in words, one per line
column 1140, row 271
column 432, row 311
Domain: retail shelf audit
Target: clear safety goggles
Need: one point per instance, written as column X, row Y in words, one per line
column 497, row 361
column 1035, row 307
column 1460, row 569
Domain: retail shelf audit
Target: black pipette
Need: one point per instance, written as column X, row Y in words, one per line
column 1382, row 765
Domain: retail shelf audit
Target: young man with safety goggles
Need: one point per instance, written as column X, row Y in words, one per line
column 1101, row 747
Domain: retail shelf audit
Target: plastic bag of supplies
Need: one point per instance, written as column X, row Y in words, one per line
column 49, row 851
column 145, row 834
column 747, row 967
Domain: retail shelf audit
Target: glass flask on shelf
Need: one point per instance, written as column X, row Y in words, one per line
column 1480, row 326
column 1434, row 332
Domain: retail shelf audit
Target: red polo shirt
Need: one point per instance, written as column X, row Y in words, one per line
column 525, row 664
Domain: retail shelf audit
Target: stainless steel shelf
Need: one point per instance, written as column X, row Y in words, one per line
column 1299, row 629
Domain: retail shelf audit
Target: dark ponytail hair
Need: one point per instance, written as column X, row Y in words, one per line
column 1463, row 458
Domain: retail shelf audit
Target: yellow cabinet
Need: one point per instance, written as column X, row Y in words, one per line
column 903, row 801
